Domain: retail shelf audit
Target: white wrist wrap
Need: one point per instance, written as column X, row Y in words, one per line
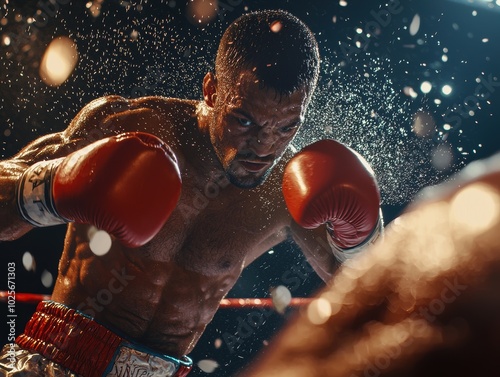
column 34, row 195
column 344, row 254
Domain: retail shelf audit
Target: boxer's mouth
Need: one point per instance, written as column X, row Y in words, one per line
column 254, row 166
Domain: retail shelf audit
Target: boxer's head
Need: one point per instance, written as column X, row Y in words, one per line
column 266, row 70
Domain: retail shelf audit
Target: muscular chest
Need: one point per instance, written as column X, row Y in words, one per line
column 215, row 227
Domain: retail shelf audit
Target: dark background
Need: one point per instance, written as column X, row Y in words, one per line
column 360, row 100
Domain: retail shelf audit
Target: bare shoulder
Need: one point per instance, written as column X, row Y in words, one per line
column 165, row 107
column 112, row 115
column 164, row 104
column 94, row 113
column 112, row 104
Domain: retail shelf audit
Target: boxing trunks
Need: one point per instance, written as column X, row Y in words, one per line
column 59, row 341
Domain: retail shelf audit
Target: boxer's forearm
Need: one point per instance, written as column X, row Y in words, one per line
column 314, row 245
column 12, row 224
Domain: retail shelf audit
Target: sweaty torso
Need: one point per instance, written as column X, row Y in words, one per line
column 164, row 293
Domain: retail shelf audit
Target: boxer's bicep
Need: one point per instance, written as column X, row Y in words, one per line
column 314, row 245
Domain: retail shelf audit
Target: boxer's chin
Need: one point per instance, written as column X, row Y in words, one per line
column 246, row 180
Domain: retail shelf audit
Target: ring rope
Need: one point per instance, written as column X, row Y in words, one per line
column 226, row 303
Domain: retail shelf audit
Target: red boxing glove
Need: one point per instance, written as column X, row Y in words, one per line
column 329, row 183
column 127, row 185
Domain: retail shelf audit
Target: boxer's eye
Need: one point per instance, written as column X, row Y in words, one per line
column 245, row 122
column 289, row 128
column 286, row 129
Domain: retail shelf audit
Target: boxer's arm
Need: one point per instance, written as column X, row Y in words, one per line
column 314, row 245
column 97, row 120
column 329, row 187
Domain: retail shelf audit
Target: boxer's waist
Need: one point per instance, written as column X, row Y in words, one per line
column 87, row 348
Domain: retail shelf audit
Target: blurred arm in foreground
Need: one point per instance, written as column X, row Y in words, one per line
column 424, row 302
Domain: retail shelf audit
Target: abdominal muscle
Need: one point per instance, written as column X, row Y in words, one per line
column 157, row 303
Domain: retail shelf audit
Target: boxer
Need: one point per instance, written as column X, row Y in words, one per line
column 190, row 193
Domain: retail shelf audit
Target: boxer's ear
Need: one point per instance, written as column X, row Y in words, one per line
column 210, row 89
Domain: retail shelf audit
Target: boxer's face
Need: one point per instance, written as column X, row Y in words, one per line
column 251, row 128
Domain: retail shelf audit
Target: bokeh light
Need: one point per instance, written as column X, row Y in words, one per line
column 28, row 261
column 58, row 61
column 201, row 12
column 47, row 279
column 207, row 365
column 100, row 242
column 319, row 311
column 281, row 296
column 426, row 87
column 475, row 208
column 446, row 89
column 424, row 124
column 415, row 25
